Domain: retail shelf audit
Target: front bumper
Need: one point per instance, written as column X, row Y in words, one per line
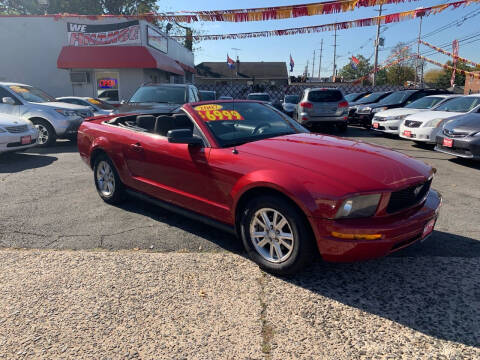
column 387, row 126
column 306, row 119
column 467, row 147
column 362, row 119
column 398, row 231
column 423, row 134
column 68, row 128
column 12, row 141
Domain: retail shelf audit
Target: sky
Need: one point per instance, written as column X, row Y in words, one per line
column 351, row 41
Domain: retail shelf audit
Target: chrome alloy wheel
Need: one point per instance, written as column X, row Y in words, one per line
column 105, row 179
column 272, row 235
column 43, row 134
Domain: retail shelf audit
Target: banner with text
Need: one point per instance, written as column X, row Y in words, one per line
column 105, row 34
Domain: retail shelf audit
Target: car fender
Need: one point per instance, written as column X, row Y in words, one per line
column 30, row 113
column 287, row 185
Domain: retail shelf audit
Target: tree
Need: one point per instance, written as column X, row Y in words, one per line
column 348, row 72
column 404, row 71
column 19, row 7
column 445, row 76
column 432, row 76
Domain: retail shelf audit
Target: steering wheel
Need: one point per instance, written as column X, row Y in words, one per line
column 259, row 127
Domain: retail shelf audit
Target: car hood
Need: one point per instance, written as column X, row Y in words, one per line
column 425, row 116
column 62, row 105
column 9, row 120
column 465, row 124
column 398, row 112
column 354, row 165
column 146, row 108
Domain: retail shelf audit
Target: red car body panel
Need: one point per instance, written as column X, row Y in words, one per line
column 317, row 172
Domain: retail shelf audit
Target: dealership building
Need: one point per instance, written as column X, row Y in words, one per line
column 108, row 57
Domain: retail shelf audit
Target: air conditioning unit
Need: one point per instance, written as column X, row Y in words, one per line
column 79, row 77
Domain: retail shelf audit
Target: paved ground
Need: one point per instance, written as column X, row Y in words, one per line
column 190, row 293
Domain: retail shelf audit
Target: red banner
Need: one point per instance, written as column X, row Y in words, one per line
column 445, row 52
column 448, row 67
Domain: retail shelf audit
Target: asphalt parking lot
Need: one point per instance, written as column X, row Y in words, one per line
column 422, row 302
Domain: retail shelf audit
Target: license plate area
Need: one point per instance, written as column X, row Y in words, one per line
column 448, row 142
column 25, row 140
column 407, row 133
column 375, row 125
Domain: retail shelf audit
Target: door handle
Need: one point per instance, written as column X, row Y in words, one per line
column 136, row 147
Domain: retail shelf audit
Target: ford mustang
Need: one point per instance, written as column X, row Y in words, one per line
column 247, row 168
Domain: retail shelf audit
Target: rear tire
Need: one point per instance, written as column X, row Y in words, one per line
column 46, row 133
column 108, row 183
column 276, row 236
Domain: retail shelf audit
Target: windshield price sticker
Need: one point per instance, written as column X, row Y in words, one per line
column 213, row 115
column 18, row 89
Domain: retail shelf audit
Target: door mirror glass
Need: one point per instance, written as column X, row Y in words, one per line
column 183, row 136
column 8, row 100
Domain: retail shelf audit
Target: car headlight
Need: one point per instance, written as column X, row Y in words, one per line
column 433, row 123
column 359, row 206
column 379, row 109
column 474, row 134
column 66, row 113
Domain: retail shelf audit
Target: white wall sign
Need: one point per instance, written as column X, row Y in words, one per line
column 157, row 40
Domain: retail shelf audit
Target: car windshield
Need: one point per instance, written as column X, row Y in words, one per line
column 396, row 97
column 207, row 95
column 371, row 98
column 351, row 97
column 325, row 96
column 461, row 104
column 259, row 97
column 426, row 102
column 100, row 104
column 159, row 94
column 292, row 99
column 236, row 123
column 31, row 94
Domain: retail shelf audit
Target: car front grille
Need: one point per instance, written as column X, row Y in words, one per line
column 17, row 129
column 453, row 134
column 406, row 198
column 85, row 113
column 412, row 124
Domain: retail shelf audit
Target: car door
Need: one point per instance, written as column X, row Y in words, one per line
column 176, row 173
column 9, row 108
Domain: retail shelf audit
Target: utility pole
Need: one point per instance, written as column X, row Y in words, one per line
column 377, row 42
column 334, row 54
column 418, row 56
column 320, row 60
column 313, row 64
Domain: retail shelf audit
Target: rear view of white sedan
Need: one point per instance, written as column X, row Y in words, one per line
column 16, row 133
column 424, row 126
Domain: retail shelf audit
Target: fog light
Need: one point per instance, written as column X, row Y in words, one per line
column 356, row 236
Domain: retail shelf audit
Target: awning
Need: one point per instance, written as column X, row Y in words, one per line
column 186, row 67
column 116, row 57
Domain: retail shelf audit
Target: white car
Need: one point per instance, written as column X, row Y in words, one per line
column 389, row 121
column 424, row 126
column 98, row 106
column 16, row 133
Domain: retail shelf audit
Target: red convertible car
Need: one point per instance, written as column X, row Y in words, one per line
column 245, row 167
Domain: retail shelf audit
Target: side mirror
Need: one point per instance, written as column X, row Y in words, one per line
column 8, row 100
column 183, row 136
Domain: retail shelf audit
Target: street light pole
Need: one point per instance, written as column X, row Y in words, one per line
column 418, row 56
column 377, row 42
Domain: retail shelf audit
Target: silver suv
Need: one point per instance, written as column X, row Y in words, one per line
column 52, row 119
column 322, row 106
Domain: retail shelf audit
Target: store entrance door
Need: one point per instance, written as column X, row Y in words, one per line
column 107, row 86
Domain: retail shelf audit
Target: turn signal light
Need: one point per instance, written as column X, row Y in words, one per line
column 306, row 104
column 356, row 236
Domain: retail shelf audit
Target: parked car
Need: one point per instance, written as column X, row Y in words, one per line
column 251, row 170
column 98, row 106
column 461, row 136
column 260, row 97
column 322, row 106
column 389, row 121
column 109, row 96
column 397, row 99
column 207, row 95
column 352, row 97
column 424, row 126
column 223, row 97
column 159, row 98
column 53, row 119
column 353, row 116
column 16, row 133
column 289, row 104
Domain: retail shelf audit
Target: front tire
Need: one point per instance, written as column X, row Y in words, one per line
column 107, row 181
column 46, row 133
column 276, row 235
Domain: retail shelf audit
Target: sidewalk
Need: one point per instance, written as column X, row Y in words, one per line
column 131, row 304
